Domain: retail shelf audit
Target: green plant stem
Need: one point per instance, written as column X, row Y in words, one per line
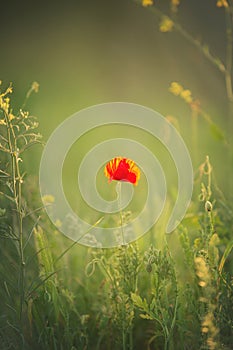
column 225, row 69
column 124, row 333
column 123, row 337
column 17, row 193
column 22, row 266
column 131, row 339
column 20, row 219
column 202, row 48
column 173, row 319
column 195, row 135
column 229, row 52
column 229, row 87
column 79, row 239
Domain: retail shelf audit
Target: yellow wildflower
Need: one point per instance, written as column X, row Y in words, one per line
column 186, row 95
column 48, row 199
column 202, row 284
column 222, row 3
column 35, row 86
column 175, row 2
column 174, row 5
column 208, row 322
column 166, row 25
column 5, row 104
column 205, row 329
column 58, row 223
column 146, row 3
column 202, row 271
column 2, row 122
column 11, row 116
column 175, row 88
column 9, row 90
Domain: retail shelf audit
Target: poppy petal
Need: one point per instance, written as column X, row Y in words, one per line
column 122, row 169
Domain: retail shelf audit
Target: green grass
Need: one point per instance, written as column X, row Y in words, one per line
column 161, row 292
column 171, row 292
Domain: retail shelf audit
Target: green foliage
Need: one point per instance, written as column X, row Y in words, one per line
column 128, row 297
column 58, row 295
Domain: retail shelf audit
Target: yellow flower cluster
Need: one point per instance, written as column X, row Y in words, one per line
column 8, row 90
column 146, row 3
column 222, row 3
column 175, row 88
column 5, row 101
column 186, row 95
column 48, row 199
column 202, row 271
column 5, row 104
column 175, row 2
column 209, row 328
column 35, row 86
column 174, row 5
column 166, row 25
column 178, row 90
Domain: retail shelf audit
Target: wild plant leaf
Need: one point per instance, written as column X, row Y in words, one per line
column 217, row 132
column 41, row 283
column 139, row 302
column 2, row 211
column 90, row 268
column 146, row 317
column 225, row 255
column 31, row 232
column 4, row 174
column 12, row 199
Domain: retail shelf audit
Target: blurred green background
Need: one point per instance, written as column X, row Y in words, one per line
column 88, row 52
column 84, row 53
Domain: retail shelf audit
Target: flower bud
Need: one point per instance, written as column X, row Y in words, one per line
column 208, row 206
column 148, row 268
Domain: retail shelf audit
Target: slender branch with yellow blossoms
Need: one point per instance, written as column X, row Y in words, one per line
column 168, row 23
column 186, row 95
column 16, row 135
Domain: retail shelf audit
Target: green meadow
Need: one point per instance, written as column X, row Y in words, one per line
column 162, row 291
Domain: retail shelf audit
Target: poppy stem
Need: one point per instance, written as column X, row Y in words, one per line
column 121, row 214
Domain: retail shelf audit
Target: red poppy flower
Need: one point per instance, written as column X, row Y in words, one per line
column 122, row 169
